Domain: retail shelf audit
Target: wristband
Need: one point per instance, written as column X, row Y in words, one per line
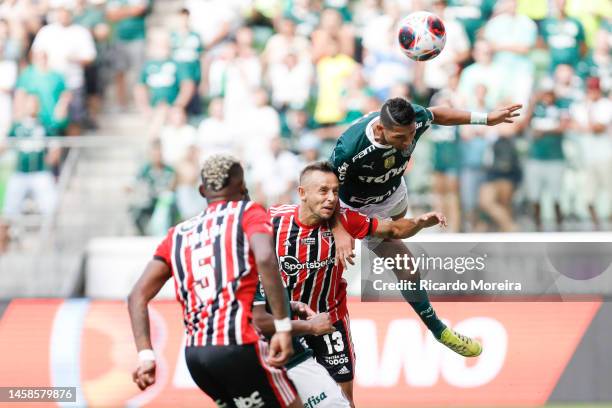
column 282, row 325
column 478, row 118
column 146, row 355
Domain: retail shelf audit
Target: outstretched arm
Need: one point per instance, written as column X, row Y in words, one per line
column 407, row 227
column 450, row 117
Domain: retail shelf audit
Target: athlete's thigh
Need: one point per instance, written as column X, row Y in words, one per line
column 196, row 358
column 246, row 377
column 315, row 386
column 335, row 351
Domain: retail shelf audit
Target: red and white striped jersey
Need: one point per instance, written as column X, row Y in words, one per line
column 214, row 271
column 306, row 258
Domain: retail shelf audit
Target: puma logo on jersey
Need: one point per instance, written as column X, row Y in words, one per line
column 368, row 166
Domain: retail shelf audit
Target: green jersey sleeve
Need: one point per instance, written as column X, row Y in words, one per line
column 423, row 120
column 260, row 296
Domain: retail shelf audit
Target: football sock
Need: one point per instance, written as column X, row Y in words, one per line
column 424, row 309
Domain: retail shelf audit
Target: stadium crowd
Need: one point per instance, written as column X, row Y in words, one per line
column 276, row 82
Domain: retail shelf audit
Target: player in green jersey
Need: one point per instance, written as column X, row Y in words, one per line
column 370, row 159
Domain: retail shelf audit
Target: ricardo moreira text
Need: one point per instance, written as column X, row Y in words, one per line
column 459, row 264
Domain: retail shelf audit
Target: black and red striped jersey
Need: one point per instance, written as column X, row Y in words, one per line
column 214, row 271
column 306, row 257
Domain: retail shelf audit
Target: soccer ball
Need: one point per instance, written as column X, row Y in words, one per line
column 421, row 36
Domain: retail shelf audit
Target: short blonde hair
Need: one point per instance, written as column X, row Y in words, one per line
column 216, row 171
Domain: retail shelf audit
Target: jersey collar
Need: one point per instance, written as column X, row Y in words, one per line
column 370, row 135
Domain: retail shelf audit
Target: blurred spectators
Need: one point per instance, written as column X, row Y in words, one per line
column 598, row 62
column 129, row 30
column 176, row 137
column 91, row 16
column 187, row 52
column 12, row 35
column 246, row 73
column 49, row 87
column 69, row 48
column 275, row 175
column 290, row 81
column 546, row 164
column 592, row 14
column 285, row 41
column 358, row 98
column 213, row 20
column 473, row 14
column 512, row 37
column 568, row 86
column 8, row 79
column 445, row 187
column 592, row 121
column 214, row 133
column 472, row 145
column 32, row 175
column 163, row 83
column 233, row 76
column 564, row 37
column 265, row 121
column 456, row 51
column 331, row 28
column 189, row 202
column 383, row 63
column 309, row 146
column 481, row 73
column 503, row 173
column 152, row 193
column 333, row 71
column 5, row 236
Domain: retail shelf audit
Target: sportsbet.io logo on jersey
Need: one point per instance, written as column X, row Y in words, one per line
column 291, row 266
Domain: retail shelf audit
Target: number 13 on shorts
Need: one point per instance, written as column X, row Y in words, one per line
column 334, row 342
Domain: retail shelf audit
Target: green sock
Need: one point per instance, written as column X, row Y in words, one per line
column 425, row 311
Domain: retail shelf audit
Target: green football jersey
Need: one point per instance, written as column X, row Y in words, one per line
column 368, row 171
column 300, row 351
column 31, row 150
column 163, row 79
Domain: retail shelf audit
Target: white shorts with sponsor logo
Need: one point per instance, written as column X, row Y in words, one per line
column 393, row 206
column 315, row 386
